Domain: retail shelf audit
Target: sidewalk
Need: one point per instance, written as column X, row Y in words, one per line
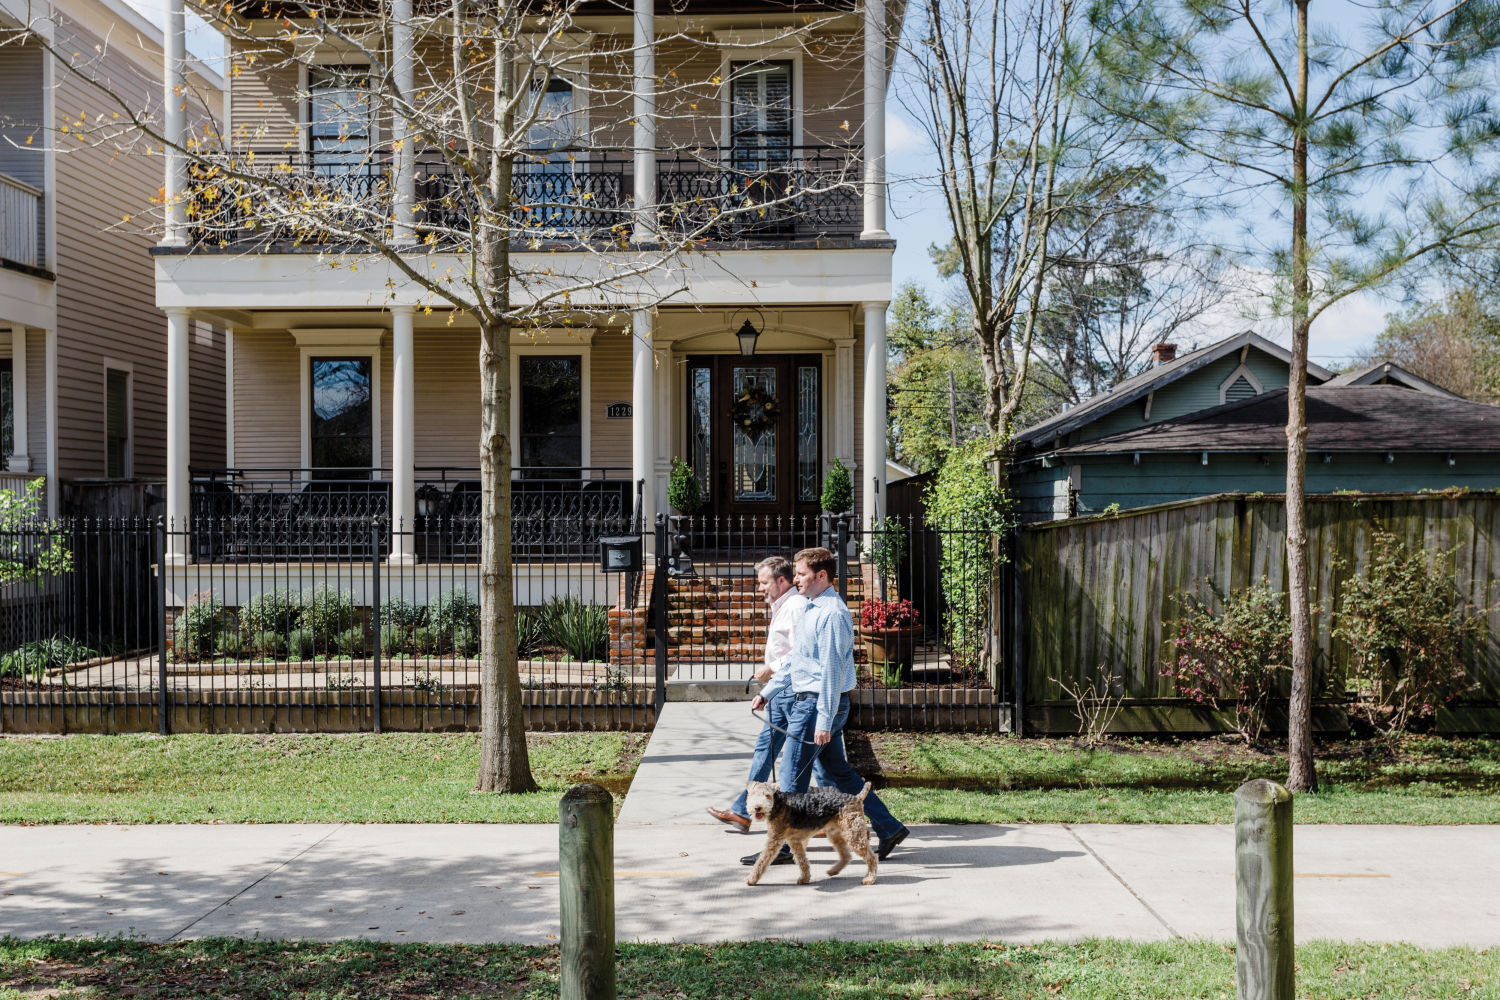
column 678, row 876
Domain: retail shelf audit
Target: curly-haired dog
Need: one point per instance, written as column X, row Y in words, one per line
column 792, row 818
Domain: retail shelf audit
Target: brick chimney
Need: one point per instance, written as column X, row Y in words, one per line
column 1162, row 353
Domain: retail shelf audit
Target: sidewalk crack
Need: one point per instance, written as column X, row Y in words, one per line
column 1116, row 875
column 276, row 868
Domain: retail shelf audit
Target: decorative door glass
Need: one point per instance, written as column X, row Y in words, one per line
column 807, row 434
column 700, row 426
column 753, row 434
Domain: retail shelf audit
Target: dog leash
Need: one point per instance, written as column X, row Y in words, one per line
column 812, row 758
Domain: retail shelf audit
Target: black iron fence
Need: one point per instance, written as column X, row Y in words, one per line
column 147, row 628
column 920, row 596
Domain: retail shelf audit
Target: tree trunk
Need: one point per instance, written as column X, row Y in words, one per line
column 1300, row 775
column 504, row 765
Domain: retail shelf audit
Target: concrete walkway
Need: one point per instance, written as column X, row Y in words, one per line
column 678, row 877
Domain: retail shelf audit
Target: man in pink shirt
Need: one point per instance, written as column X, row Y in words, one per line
column 773, row 579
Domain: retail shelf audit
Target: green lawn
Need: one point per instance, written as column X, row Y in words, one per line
column 928, row 778
column 358, row 778
column 1102, row 969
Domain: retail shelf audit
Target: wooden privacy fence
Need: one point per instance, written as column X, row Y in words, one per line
column 1100, row 595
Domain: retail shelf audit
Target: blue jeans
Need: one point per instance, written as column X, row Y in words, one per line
column 767, row 748
column 804, row 757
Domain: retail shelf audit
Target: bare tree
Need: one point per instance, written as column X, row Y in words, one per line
column 492, row 199
column 1365, row 147
column 1455, row 344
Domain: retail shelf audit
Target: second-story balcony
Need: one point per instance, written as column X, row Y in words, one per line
column 20, row 234
column 711, row 194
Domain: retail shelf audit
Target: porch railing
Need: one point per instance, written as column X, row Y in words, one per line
column 578, row 195
column 300, row 513
column 20, row 208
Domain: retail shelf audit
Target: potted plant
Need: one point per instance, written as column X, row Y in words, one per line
column 685, row 495
column 890, row 630
column 838, row 491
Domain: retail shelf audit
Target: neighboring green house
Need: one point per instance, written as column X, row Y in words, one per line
column 1213, row 421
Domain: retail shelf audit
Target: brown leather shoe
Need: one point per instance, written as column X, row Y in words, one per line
column 725, row 816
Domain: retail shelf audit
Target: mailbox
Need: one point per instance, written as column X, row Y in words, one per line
column 620, row 554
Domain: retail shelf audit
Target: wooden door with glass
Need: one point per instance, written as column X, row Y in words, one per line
column 755, row 432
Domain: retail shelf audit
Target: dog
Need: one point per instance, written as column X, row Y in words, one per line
column 793, row 818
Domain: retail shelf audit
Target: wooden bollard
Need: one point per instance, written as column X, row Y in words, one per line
column 1264, row 958
column 586, row 877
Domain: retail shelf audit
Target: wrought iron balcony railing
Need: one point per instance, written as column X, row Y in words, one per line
column 271, row 514
column 570, row 196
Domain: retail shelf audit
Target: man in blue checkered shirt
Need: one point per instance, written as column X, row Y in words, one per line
column 819, row 672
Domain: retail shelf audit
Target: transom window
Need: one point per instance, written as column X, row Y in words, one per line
column 343, row 425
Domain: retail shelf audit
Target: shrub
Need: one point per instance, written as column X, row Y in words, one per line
column 531, row 632
column 967, row 503
column 31, row 660
column 230, row 646
column 838, row 491
column 465, row 641
column 395, row 639
column 196, row 629
column 351, row 642
column 1408, row 631
column 581, row 629
column 454, row 610
column 878, row 615
column 684, row 492
column 402, row 614
column 268, row 645
column 328, row 613
column 277, row 611
column 423, row 642
column 1242, row 651
column 301, row 644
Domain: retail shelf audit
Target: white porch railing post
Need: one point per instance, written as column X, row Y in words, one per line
column 403, row 434
column 174, row 94
column 872, row 469
column 645, row 123
column 20, row 459
column 178, row 487
column 874, row 132
column 643, row 408
column 404, row 64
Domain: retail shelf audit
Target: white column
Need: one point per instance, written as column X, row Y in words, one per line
column 20, row 460
column 178, row 440
column 872, row 467
column 643, row 408
column 404, row 65
column 874, row 228
column 645, row 122
column 403, row 434
column 174, row 93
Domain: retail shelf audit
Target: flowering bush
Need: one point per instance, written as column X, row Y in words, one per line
column 1408, row 630
column 1239, row 652
column 877, row 615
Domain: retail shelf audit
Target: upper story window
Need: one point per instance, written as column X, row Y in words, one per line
column 339, row 118
column 555, row 127
column 761, row 110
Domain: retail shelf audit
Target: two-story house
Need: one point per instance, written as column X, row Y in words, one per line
column 757, row 355
column 82, row 360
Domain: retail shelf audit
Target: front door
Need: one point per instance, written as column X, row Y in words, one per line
column 755, row 432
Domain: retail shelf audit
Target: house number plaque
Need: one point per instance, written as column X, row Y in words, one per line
column 618, row 411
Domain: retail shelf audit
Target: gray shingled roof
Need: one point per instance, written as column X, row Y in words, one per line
column 1339, row 418
column 1136, row 387
column 1382, row 370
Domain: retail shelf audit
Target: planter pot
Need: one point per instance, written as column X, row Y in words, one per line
column 889, row 652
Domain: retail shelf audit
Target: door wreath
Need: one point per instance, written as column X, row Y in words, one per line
column 754, row 412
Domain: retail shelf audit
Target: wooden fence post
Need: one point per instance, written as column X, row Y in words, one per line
column 586, row 870
column 1263, row 892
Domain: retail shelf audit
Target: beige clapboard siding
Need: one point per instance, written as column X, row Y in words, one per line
column 105, row 281
column 610, row 378
column 267, row 400
column 446, row 382
column 265, row 108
